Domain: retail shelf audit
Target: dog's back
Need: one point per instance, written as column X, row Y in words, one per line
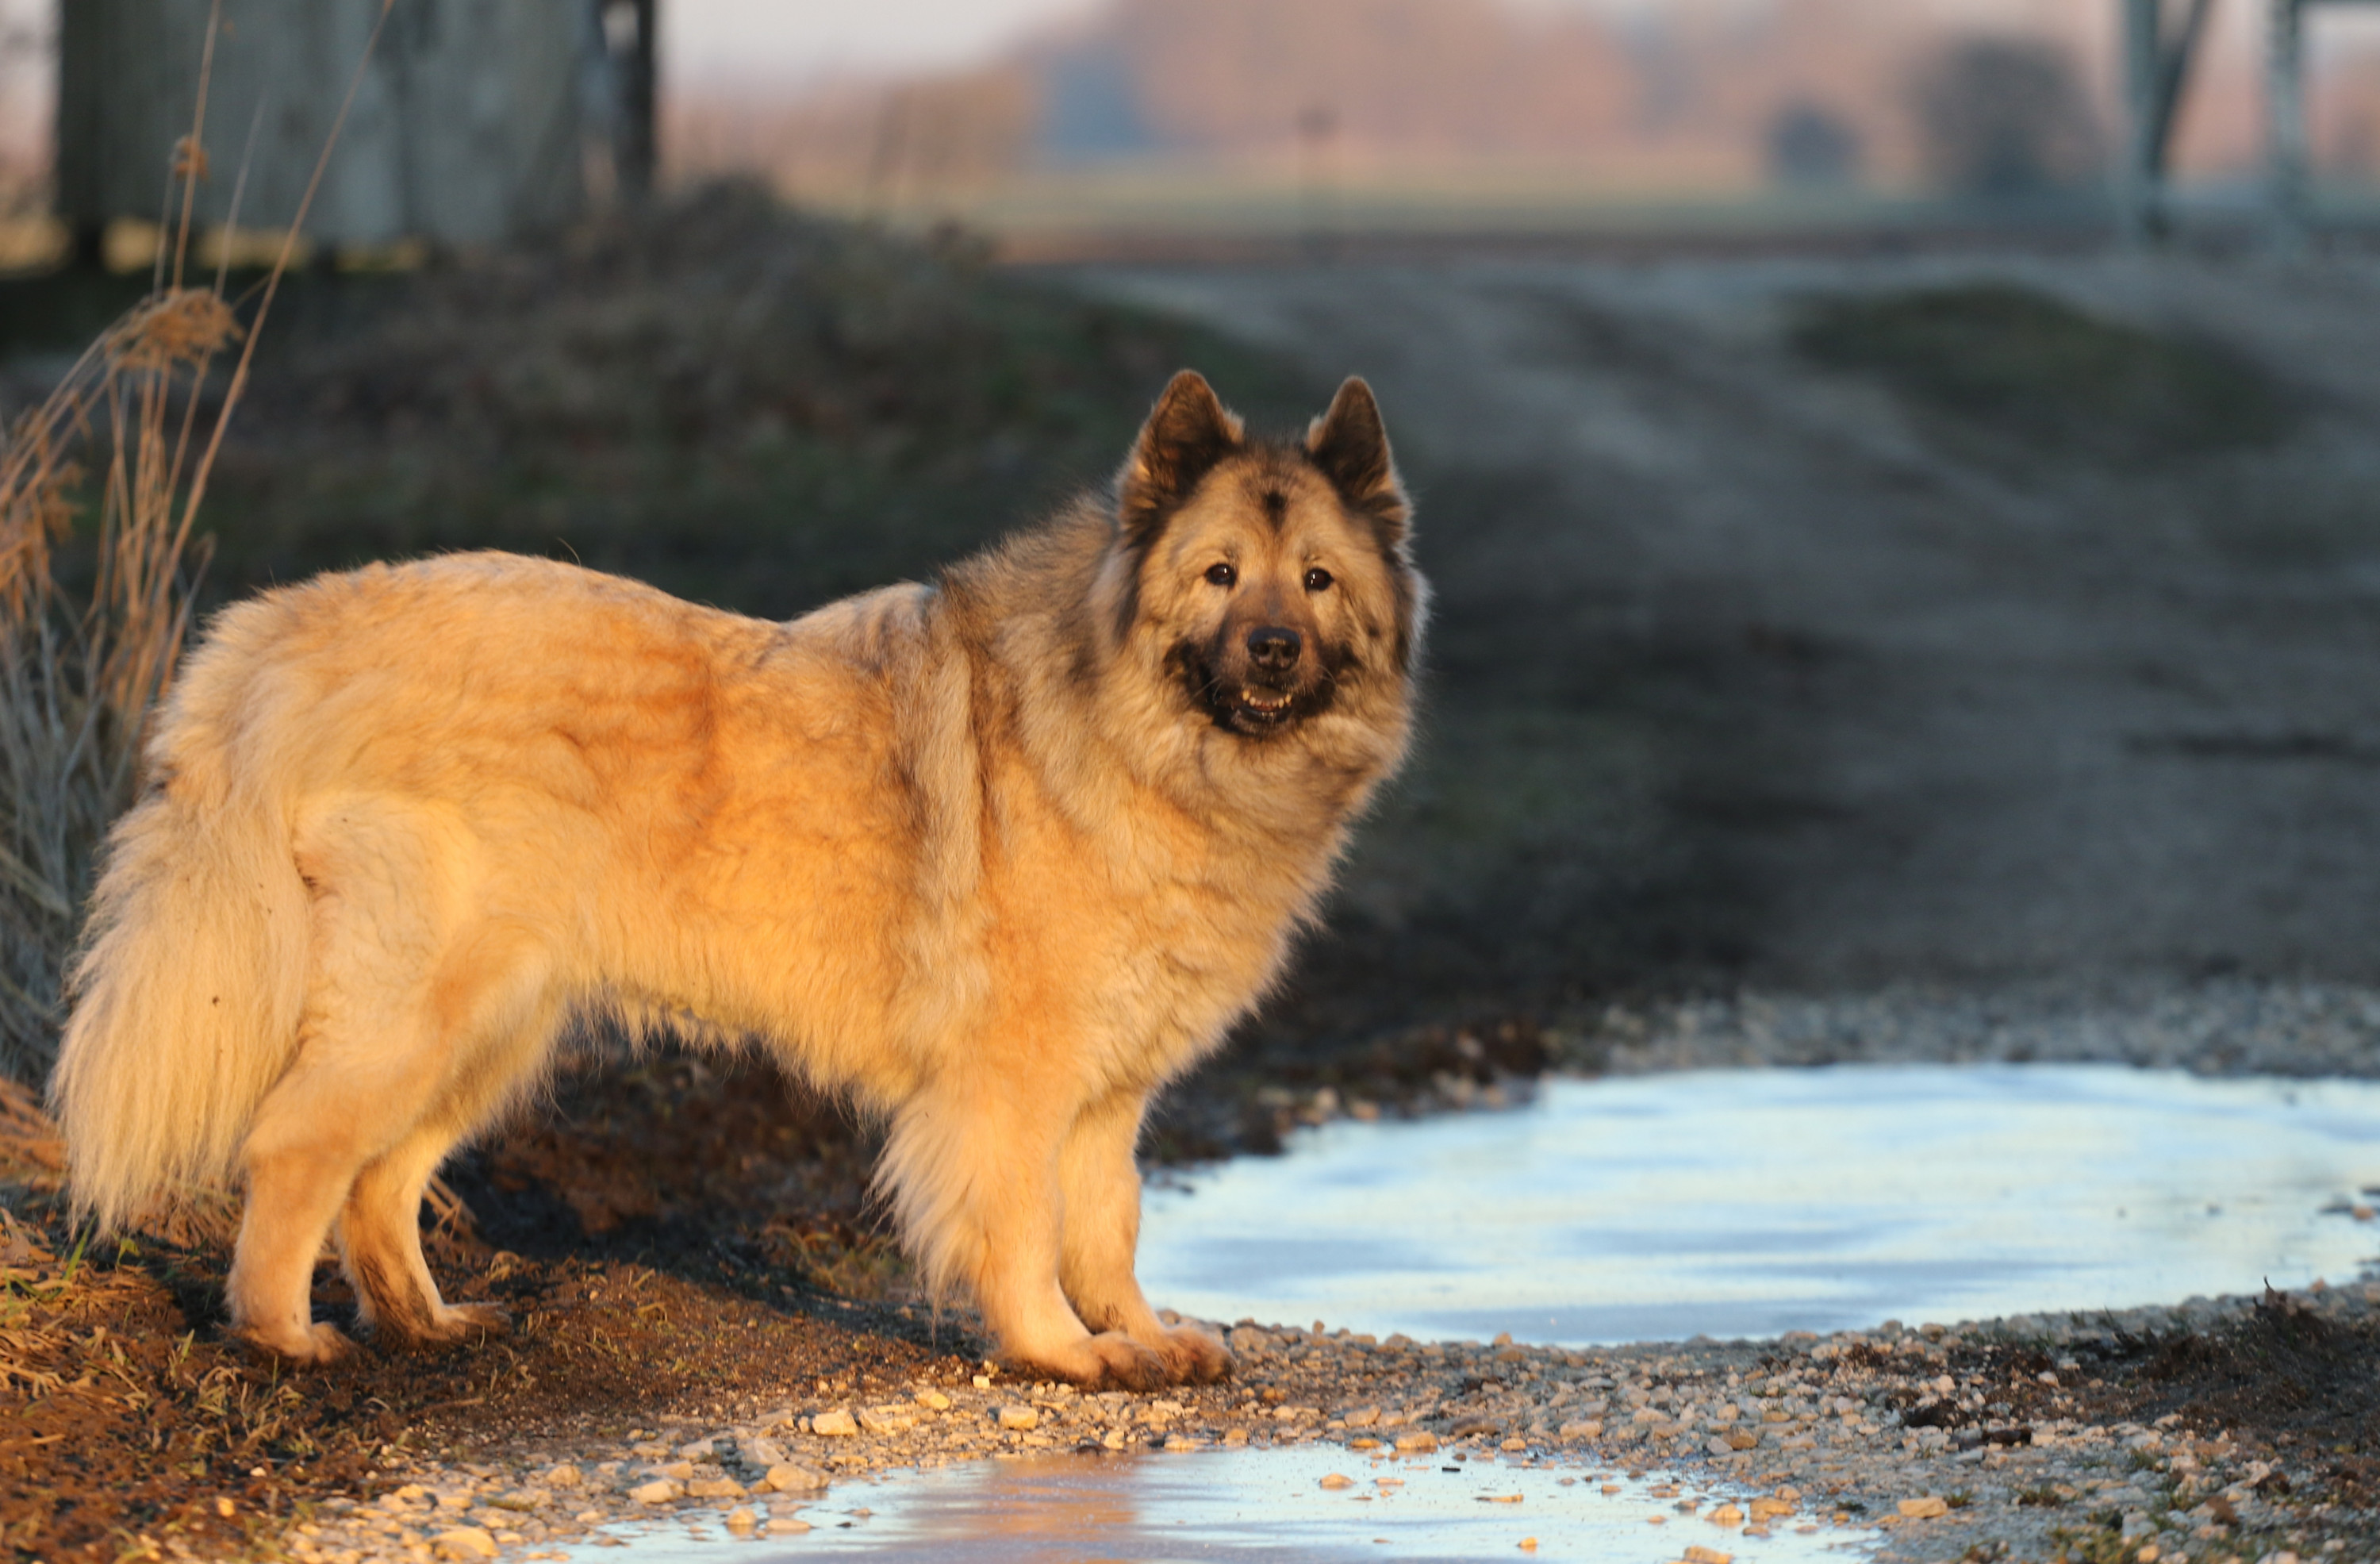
column 474, row 735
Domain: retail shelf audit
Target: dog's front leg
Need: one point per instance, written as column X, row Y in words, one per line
column 1101, row 1184
column 972, row 1168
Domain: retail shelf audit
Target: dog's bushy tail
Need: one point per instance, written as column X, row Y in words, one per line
column 190, row 979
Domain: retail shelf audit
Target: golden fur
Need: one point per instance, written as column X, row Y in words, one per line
column 997, row 856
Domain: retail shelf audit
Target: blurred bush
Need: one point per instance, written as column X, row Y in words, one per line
column 2001, row 119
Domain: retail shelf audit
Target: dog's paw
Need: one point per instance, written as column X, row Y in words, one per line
column 1124, row 1364
column 1194, row 1355
column 1110, row 1361
column 465, row 1320
column 314, row 1346
column 455, row 1322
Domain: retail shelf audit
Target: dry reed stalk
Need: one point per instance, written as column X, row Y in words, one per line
column 80, row 666
column 82, row 663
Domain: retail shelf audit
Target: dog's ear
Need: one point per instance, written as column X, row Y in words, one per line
column 1187, row 434
column 1351, row 446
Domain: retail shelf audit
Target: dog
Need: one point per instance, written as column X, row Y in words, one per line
column 996, row 856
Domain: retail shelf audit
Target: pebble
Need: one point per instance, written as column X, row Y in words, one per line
column 787, row 1478
column 835, row 1425
column 464, row 1542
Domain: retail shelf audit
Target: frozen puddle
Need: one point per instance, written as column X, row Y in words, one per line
column 1752, row 1202
column 1251, row 1505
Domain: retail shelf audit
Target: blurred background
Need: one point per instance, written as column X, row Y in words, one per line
column 1068, row 124
column 1070, row 127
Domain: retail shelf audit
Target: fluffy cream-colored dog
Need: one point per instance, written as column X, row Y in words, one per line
column 997, row 856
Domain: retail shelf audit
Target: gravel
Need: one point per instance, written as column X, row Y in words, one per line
column 1841, row 1431
column 2224, row 1027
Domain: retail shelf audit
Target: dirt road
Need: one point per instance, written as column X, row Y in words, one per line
column 1754, row 668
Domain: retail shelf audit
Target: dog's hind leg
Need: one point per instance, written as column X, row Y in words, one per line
column 1100, row 1185
column 495, row 1019
column 380, row 1243
column 314, row 1132
column 403, row 990
column 295, row 1180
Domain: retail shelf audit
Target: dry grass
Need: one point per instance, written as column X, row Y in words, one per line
column 92, row 618
column 83, row 662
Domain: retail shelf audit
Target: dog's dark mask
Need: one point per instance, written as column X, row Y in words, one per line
column 1241, row 694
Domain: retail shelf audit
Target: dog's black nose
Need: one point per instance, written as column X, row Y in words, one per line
column 1274, row 646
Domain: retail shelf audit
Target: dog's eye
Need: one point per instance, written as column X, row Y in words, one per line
column 1318, row 580
column 1221, row 575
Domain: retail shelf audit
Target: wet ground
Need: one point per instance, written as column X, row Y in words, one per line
column 1320, row 1504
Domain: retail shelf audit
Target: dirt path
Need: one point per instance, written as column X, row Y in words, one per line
column 1755, row 671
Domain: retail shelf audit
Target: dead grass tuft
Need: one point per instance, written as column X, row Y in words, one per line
column 32, row 1153
column 87, row 643
column 89, row 638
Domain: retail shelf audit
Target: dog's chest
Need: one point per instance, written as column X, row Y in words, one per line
column 1178, row 957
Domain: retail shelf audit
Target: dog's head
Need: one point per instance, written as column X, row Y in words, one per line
column 1275, row 574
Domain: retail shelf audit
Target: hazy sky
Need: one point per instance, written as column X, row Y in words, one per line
column 789, row 42
column 792, row 40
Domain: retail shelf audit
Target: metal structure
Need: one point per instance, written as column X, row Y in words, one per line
column 2157, row 55
column 2158, row 48
column 472, row 126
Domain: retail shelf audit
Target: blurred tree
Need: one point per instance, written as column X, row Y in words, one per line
column 1810, row 148
column 2006, row 117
